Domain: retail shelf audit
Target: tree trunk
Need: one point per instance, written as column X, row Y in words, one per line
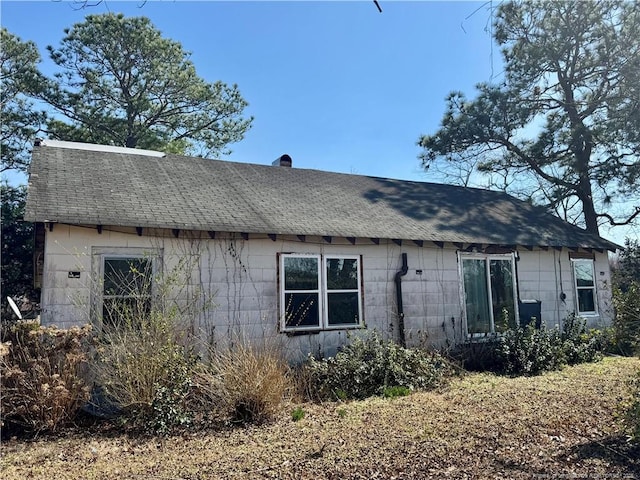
column 585, row 195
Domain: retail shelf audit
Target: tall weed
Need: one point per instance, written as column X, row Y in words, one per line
column 246, row 382
column 145, row 369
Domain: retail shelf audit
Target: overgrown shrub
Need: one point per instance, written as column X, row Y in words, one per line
column 580, row 345
column 368, row 366
column 626, row 268
column 627, row 318
column 477, row 356
column 529, row 351
column 145, row 369
column 254, row 381
column 43, row 376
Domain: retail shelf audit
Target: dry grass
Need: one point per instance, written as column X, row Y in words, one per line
column 560, row 424
column 244, row 384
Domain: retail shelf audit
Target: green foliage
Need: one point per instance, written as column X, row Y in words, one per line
column 529, row 351
column 17, row 245
column 20, row 121
column 627, row 319
column 626, row 270
column 626, row 298
column 367, row 366
column 297, row 414
column 396, row 391
column 562, row 128
column 578, row 344
column 169, row 409
column 122, row 83
column 43, row 376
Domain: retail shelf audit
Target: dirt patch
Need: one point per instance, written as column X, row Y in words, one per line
column 558, row 425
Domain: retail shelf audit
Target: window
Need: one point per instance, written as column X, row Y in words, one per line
column 584, row 279
column 124, row 287
column 489, row 293
column 126, row 292
column 320, row 292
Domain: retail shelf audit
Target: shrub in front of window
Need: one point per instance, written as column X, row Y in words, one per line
column 145, row 361
column 368, row 366
column 43, row 372
column 477, row 356
column 529, row 351
column 145, row 370
column 489, row 292
column 579, row 344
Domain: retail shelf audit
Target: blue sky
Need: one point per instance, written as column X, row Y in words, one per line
column 337, row 85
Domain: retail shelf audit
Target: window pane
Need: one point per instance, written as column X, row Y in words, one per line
column 301, row 310
column 300, row 273
column 343, row 308
column 502, row 297
column 127, row 276
column 586, row 302
column 125, row 311
column 342, row 273
column 584, row 274
column 476, row 295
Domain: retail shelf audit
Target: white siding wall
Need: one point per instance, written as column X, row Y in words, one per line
column 545, row 275
column 235, row 282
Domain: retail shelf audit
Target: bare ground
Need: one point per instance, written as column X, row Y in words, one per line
column 558, row 425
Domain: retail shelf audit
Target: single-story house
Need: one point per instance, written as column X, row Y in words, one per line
column 304, row 256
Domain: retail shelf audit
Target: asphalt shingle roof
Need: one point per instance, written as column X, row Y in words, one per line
column 70, row 185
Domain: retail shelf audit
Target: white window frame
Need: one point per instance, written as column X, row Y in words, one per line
column 100, row 255
column 323, row 293
column 487, row 257
column 576, row 288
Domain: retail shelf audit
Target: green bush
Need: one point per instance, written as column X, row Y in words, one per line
column 43, row 376
column 477, row 356
column 396, row 391
column 529, row 351
column 626, row 268
column 170, row 408
column 580, row 345
column 626, row 322
column 368, row 366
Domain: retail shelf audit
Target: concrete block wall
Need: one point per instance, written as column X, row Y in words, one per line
column 231, row 286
